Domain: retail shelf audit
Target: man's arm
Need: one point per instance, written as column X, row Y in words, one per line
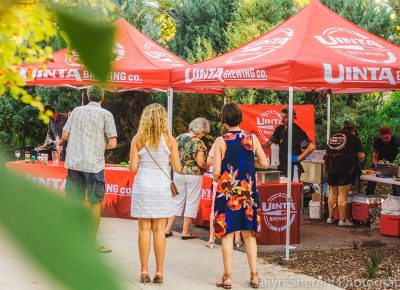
column 64, row 137
column 266, row 144
column 111, row 143
column 306, row 151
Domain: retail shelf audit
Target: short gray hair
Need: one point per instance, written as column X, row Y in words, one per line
column 199, row 125
column 95, row 93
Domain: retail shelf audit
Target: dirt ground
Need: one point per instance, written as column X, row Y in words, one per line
column 365, row 266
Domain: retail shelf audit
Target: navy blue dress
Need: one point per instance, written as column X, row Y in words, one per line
column 236, row 204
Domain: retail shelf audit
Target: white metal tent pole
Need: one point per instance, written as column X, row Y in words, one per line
column 328, row 118
column 289, row 172
column 170, row 107
column 83, row 97
column 328, row 135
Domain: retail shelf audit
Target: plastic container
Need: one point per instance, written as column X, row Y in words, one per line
column 317, row 155
column 55, row 156
column 390, row 225
column 362, row 204
column 314, row 208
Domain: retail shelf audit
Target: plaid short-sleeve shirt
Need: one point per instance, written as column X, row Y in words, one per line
column 89, row 128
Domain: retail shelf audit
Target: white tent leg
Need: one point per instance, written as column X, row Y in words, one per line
column 328, row 135
column 289, row 172
column 170, row 107
column 328, row 118
column 83, row 97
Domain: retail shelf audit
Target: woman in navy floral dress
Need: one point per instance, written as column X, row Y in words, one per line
column 236, row 205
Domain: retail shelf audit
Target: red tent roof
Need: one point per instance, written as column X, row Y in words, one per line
column 316, row 49
column 140, row 63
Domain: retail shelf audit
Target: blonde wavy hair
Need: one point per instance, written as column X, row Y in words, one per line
column 153, row 123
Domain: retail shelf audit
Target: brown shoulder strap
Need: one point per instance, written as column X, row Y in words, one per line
column 151, row 155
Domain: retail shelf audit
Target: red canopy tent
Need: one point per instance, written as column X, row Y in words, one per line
column 140, row 64
column 315, row 50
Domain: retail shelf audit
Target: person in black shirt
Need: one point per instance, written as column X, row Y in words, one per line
column 301, row 144
column 54, row 129
column 386, row 147
column 343, row 152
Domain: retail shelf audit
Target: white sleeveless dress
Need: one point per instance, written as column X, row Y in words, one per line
column 151, row 193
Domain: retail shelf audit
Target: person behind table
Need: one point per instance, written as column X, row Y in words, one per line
column 210, row 162
column 90, row 130
column 237, row 205
column 151, row 192
column 54, row 129
column 302, row 145
column 192, row 152
column 386, row 147
column 343, row 153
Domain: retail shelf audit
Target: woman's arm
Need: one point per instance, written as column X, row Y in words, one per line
column 201, row 159
column 219, row 151
column 134, row 156
column 261, row 160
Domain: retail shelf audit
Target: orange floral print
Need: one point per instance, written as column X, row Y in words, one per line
column 247, row 142
column 220, row 225
column 230, row 136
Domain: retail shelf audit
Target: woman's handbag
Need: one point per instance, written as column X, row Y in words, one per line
column 173, row 187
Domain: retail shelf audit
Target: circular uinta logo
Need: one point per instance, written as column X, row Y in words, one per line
column 275, row 213
column 267, row 123
column 355, row 45
column 262, row 46
column 73, row 58
column 161, row 55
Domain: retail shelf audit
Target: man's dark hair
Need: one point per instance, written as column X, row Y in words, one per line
column 95, row 94
column 49, row 108
column 231, row 115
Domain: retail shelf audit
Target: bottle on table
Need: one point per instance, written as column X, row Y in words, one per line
column 27, row 157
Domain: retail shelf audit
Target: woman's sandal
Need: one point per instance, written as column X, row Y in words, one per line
column 252, row 277
column 158, row 279
column 222, row 282
column 210, row 244
column 145, row 278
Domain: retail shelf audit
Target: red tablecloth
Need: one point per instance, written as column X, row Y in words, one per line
column 119, row 182
column 273, row 211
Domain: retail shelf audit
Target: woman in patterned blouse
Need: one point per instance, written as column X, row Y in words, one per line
column 192, row 152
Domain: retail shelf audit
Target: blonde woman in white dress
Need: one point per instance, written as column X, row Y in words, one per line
column 151, row 193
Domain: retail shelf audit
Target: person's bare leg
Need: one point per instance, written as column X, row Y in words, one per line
column 342, row 200
column 238, row 239
column 168, row 229
column 95, row 210
column 332, row 199
column 227, row 251
column 251, row 251
column 144, row 241
column 187, row 221
column 159, row 243
column 211, row 237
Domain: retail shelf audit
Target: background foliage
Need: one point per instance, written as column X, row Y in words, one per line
column 200, row 29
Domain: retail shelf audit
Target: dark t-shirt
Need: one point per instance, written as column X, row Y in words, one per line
column 280, row 137
column 387, row 151
column 341, row 153
column 55, row 126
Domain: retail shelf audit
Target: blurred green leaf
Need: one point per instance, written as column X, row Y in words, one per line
column 55, row 232
column 91, row 37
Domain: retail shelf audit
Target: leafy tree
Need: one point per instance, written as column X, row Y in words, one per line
column 206, row 19
column 370, row 15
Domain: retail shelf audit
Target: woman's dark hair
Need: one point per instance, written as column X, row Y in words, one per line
column 350, row 128
column 231, row 115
